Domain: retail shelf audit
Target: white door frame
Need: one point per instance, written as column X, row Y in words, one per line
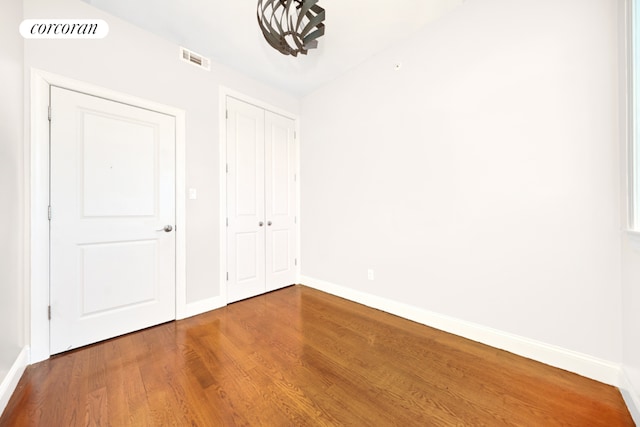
column 37, row 178
column 224, row 93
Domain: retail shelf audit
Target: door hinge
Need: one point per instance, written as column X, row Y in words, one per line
column 49, row 112
column 49, row 312
column 295, row 261
column 227, row 222
column 227, row 276
column 49, row 212
column 226, row 114
column 295, row 177
column 227, row 167
column 295, row 219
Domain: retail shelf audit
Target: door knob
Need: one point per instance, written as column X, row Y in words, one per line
column 166, row 228
column 261, row 223
column 269, row 223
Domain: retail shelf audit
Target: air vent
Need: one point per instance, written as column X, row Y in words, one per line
column 195, row 59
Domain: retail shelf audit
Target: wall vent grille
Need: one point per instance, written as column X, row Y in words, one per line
column 195, row 59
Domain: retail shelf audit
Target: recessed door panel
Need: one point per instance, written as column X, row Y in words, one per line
column 248, row 152
column 117, row 275
column 247, row 263
column 119, row 166
column 280, row 246
column 281, row 168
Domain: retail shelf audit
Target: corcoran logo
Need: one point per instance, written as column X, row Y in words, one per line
column 64, row 29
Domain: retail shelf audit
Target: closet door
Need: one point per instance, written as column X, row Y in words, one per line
column 280, row 201
column 245, row 201
column 261, row 202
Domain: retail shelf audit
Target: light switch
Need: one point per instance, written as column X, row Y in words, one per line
column 193, row 194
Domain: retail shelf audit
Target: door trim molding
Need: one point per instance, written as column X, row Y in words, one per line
column 37, row 179
column 222, row 119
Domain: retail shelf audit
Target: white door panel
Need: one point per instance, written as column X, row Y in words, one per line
column 117, row 185
column 245, row 200
column 280, row 250
column 105, row 287
column 112, row 188
column 261, row 239
column 247, row 256
column 280, row 201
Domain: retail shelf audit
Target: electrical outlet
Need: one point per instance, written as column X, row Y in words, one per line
column 370, row 274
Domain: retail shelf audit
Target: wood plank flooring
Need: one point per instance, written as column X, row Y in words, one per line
column 300, row 357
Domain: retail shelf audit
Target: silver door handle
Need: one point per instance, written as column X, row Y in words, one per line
column 166, row 228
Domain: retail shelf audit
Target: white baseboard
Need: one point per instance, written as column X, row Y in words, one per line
column 579, row 363
column 199, row 307
column 631, row 396
column 10, row 380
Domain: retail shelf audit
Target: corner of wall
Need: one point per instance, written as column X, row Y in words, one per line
column 10, row 380
column 630, row 395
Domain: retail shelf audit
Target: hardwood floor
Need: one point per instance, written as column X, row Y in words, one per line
column 299, row 357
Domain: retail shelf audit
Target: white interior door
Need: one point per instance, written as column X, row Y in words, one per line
column 261, row 167
column 245, row 201
column 280, row 201
column 112, row 218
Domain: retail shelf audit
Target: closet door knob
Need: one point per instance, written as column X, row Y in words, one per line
column 269, row 223
column 261, row 223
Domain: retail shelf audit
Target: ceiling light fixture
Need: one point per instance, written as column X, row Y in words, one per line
column 291, row 29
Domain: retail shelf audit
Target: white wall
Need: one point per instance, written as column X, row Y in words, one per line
column 135, row 62
column 631, row 321
column 481, row 180
column 630, row 241
column 11, row 187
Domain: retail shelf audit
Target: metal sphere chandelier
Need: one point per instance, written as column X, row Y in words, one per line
column 291, row 26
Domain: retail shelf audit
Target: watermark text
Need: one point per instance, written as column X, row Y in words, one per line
column 64, row 29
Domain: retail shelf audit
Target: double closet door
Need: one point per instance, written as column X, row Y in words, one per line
column 261, row 200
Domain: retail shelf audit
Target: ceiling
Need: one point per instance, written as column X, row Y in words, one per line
column 227, row 32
